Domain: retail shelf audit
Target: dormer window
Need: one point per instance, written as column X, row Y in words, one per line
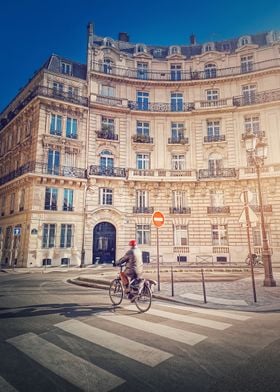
column 140, row 48
column 273, row 36
column 66, row 68
column 108, row 42
column 157, row 52
column 174, row 50
column 208, row 47
column 245, row 40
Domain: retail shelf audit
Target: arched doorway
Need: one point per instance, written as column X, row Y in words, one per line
column 104, row 243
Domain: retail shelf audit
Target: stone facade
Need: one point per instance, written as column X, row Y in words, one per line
column 89, row 152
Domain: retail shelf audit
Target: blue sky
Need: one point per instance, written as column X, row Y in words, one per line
column 30, row 30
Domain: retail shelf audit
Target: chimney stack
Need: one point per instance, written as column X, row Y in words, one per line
column 123, row 37
column 192, row 39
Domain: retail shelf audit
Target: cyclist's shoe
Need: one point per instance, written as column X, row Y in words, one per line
column 131, row 297
column 127, row 290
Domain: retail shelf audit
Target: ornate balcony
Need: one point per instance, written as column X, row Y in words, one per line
column 161, row 107
column 96, row 170
column 256, row 98
column 181, row 210
column 218, row 173
column 214, row 138
column 143, row 210
column 109, row 135
column 218, row 210
column 140, row 138
column 178, row 140
column 259, row 134
column 266, row 208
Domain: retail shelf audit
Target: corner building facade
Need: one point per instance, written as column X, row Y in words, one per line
column 95, row 149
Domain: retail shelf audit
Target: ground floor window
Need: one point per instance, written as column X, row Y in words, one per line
column 219, row 235
column 143, row 234
column 48, row 240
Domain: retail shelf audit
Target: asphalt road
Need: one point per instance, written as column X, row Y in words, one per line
column 55, row 336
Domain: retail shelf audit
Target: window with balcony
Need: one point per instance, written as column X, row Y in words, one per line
column 210, row 71
column 213, row 131
column 51, row 195
column 106, row 162
column 217, row 202
column 56, row 125
column 249, row 94
column 71, row 128
column 105, row 196
column 73, row 92
column 142, row 161
column 180, row 235
column 142, row 71
column 143, row 233
column 66, row 234
column 142, row 98
column 107, row 91
column 179, row 202
column 12, row 202
column 107, row 128
column 178, row 162
column 66, row 68
column 53, row 162
column 176, row 71
column 246, row 63
column 142, row 132
column 58, row 89
column 219, row 235
column 68, row 196
column 142, row 201
column 215, row 165
column 212, row 95
column 252, row 124
column 177, row 132
column 48, row 239
column 108, row 66
column 176, row 102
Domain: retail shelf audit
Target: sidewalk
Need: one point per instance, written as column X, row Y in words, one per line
column 234, row 294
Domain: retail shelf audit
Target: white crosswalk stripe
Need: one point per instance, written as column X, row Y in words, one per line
column 210, row 312
column 176, row 334
column 188, row 319
column 129, row 348
column 76, row 370
column 5, row 386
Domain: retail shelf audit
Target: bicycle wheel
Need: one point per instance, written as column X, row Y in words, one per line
column 143, row 300
column 116, row 292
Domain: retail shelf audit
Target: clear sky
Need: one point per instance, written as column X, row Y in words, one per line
column 31, row 30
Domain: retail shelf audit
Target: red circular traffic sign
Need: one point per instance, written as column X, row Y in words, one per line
column 158, row 218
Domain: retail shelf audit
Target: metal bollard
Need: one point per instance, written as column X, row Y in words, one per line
column 203, row 286
column 172, row 282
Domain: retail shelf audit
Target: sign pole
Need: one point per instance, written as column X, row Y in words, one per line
column 158, row 275
column 158, row 221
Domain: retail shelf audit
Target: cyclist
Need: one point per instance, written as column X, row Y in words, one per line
column 133, row 267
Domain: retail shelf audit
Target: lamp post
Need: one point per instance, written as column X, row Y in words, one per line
column 256, row 146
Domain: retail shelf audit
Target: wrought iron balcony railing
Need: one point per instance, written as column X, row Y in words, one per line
column 180, row 210
column 109, row 135
column 266, row 208
column 218, row 173
column 38, row 167
column 214, row 138
column 96, row 170
column 161, row 106
column 143, row 210
column 256, row 98
column 186, row 75
column 142, row 139
column 178, row 140
column 45, row 92
column 259, row 134
column 218, row 210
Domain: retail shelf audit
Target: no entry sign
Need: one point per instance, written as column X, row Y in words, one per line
column 158, row 218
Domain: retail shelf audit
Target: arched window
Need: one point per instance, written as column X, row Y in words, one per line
column 245, row 40
column 208, row 46
column 108, row 66
column 210, row 71
column 140, row 48
column 108, row 42
column 215, row 165
column 174, row 50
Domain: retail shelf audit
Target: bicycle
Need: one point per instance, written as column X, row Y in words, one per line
column 140, row 289
column 256, row 260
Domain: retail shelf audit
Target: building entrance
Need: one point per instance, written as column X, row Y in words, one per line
column 104, row 243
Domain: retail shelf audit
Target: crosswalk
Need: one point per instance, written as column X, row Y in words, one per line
column 88, row 376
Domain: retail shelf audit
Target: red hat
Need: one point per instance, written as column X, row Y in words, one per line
column 132, row 243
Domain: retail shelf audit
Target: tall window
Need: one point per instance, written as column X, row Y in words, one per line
column 216, row 198
column 176, row 71
column 143, row 234
column 142, row 199
column 246, row 63
column 212, row 95
column 53, row 162
column 179, row 200
column 108, row 125
column 252, row 124
column 249, row 93
column 142, row 161
column 176, row 102
column 56, row 125
column 219, row 235
column 107, row 91
column 66, row 233
column 73, row 92
column 177, row 131
column 66, row 68
column 68, row 200
column 12, row 202
column 106, row 162
column 57, row 88
column 142, row 100
column 3, row 204
column 257, row 234
column 178, row 162
column 48, row 240
column 210, row 71
column 108, row 66
column 105, row 196
column 142, row 128
column 51, row 198
column 71, row 128
column 215, row 165
column 180, row 235
column 21, row 200
column 213, row 129
column 142, row 71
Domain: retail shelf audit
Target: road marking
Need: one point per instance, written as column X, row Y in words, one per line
column 5, row 386
column 215, row 300
column 75, row 370
column 187, row 319
column 129, row 348
column 178, row 335
column 210, row 312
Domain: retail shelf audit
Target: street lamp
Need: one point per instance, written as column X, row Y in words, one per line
column 256, row 146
